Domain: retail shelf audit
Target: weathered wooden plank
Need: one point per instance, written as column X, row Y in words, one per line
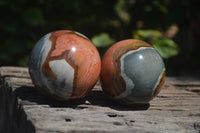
column 24, row 109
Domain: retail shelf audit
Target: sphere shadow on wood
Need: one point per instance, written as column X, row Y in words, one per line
column 98, row 97
column 30, row 95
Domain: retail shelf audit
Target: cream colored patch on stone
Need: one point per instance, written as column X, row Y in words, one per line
column 65, row 74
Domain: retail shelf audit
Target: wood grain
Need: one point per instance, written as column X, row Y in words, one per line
column 23, row 109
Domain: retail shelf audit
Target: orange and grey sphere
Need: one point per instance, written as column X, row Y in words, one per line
column 132, row 71
column 64, row 64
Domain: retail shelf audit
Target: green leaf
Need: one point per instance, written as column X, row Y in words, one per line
column 102, row 40
column 166, row 47
column 145, row 34
column 33, row 16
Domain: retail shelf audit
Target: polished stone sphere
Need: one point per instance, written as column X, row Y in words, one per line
column 65, row 65
column 132, row 71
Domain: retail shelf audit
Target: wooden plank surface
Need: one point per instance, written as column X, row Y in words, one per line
column 23, row 109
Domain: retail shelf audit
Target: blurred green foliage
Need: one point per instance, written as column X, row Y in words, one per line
column 102, row 40
column 24, row 22
column 165, row 46
column 147, row 35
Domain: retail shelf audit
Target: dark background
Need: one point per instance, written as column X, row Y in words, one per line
column 24, row 22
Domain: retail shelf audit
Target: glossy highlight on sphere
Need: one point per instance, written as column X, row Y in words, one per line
column 132, row 71
column 65, row 65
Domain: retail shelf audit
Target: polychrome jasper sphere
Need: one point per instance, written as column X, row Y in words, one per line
column 132, row 71
column 65, row 65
